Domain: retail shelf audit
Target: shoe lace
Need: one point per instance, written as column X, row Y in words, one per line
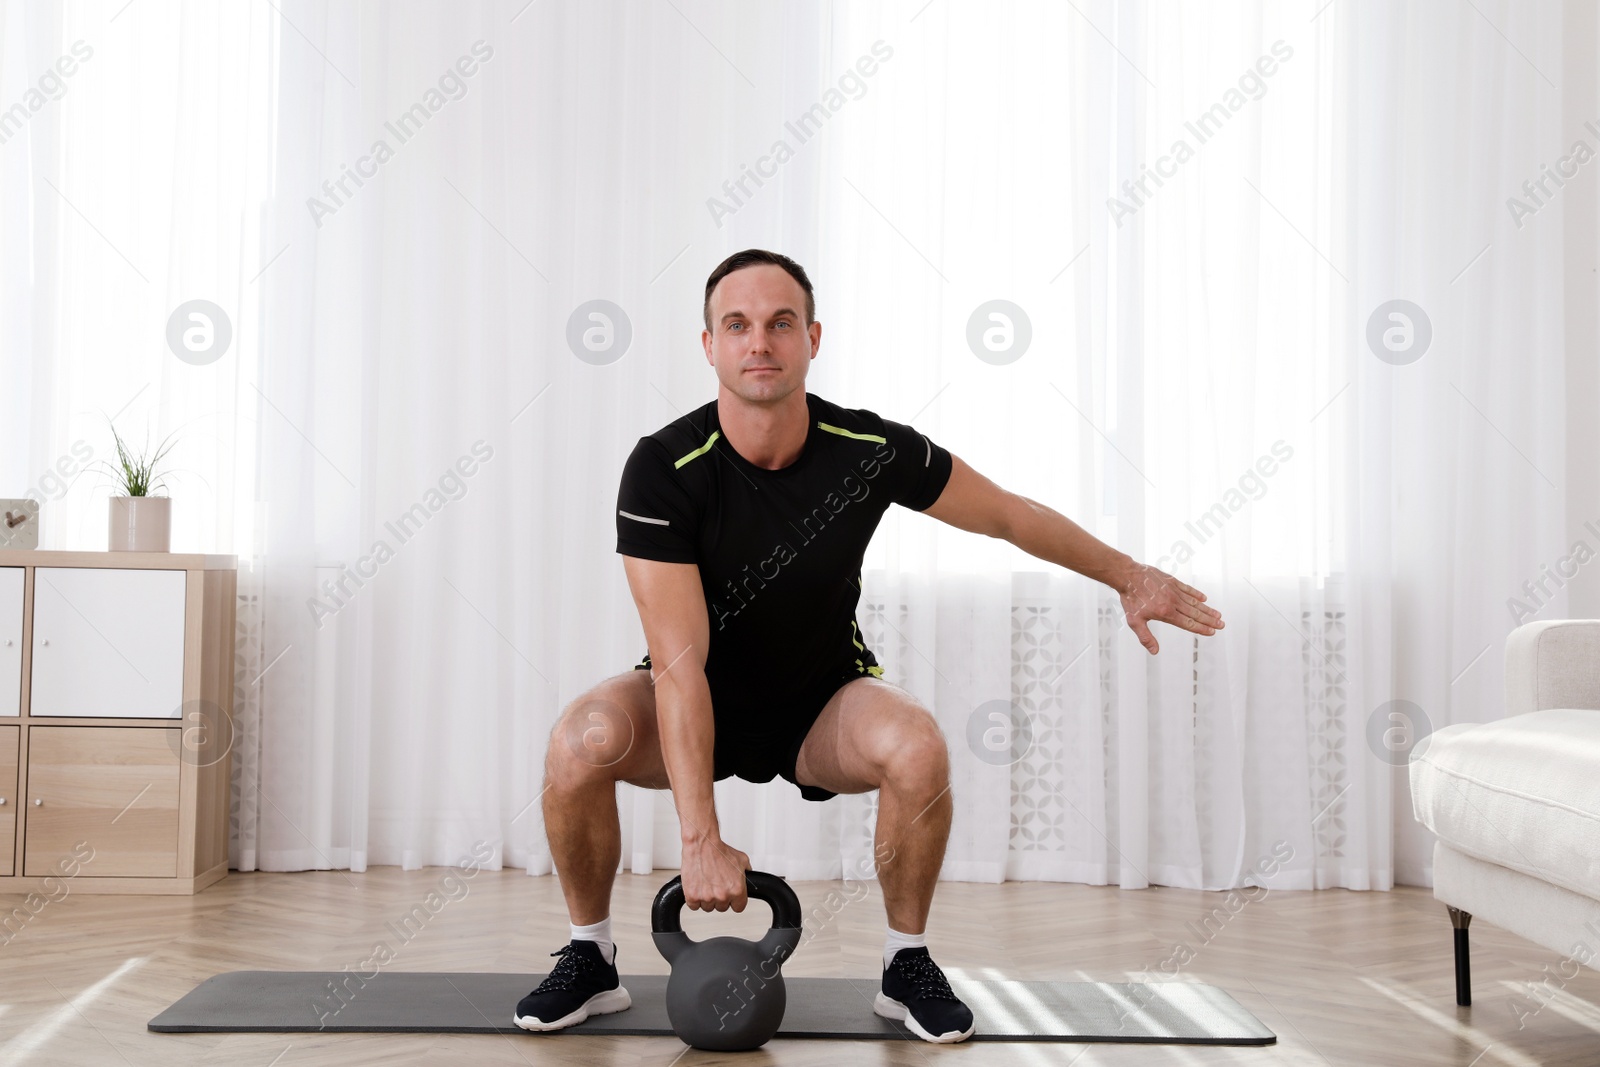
column 926, row 976
column 573, row 964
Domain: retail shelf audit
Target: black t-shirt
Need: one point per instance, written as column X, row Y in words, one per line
column 779, row 551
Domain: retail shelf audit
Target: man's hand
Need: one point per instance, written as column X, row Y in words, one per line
column 713, row 875
column 1155, row 596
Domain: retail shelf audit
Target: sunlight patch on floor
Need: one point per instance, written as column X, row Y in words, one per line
column 1449, row 1024
column 73, row 1011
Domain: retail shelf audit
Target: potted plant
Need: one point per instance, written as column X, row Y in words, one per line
column 139, row 522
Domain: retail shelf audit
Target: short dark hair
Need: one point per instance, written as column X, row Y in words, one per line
column 749, row 258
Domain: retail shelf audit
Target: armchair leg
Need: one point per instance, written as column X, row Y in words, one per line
column 1460, row 920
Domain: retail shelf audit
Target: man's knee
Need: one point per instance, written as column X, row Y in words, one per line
column 917, row 755
column 591, row 741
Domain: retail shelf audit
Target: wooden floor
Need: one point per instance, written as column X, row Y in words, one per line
column 1341, row 977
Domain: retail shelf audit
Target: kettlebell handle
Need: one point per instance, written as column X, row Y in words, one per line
column 666, row 912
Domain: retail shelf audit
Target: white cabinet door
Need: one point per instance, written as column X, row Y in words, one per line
column 107, row 642
column 10, row 640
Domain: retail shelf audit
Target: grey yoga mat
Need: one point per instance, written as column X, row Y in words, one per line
column 1182, row 1013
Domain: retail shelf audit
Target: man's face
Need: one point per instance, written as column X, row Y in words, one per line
column 759, row 342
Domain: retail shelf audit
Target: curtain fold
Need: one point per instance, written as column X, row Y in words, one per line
column 1135, row 262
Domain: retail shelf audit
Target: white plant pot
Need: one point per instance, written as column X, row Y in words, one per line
column 141, row 524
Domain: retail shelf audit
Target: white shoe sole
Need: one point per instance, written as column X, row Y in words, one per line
column 603, row 1003
column 890, row 1008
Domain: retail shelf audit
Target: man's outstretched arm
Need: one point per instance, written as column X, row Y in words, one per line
column 972, row 502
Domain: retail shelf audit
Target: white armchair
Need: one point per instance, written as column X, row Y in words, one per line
column 1515, row 802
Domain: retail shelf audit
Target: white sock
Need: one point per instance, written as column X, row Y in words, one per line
column 896, row 942
column 600, row 933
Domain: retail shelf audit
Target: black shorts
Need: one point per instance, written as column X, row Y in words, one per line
column 759, row 760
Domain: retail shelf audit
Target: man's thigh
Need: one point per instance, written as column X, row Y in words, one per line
column 862, row 724
column 612, row 726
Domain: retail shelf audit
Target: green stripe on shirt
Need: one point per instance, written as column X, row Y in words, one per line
column 702, row 450
column 847, row 433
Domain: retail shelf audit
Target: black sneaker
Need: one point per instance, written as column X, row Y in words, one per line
column 914, row 989
column 582, row 984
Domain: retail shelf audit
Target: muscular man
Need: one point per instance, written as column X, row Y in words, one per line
column 743, row 526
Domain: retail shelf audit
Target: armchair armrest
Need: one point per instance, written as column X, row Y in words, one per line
column 1553, row 664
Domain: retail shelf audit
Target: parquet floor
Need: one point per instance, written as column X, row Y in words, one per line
column 1341, row 977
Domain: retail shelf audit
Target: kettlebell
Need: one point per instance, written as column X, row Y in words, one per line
column 726, row 994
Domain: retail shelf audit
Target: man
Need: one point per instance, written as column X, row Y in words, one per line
column 743, row 526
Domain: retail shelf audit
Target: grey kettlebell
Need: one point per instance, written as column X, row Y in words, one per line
column 726, row 993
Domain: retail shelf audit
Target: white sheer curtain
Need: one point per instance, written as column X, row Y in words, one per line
column 134, row 149
column 1198, row 388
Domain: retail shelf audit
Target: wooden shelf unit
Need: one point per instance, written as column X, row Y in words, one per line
column 116, row 743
